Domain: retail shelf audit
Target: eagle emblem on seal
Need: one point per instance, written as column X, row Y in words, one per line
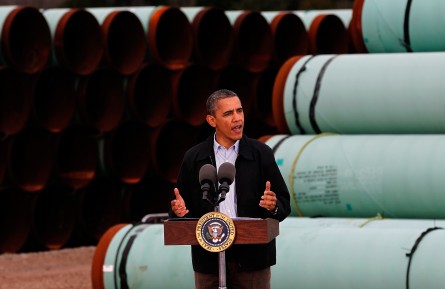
column 215, row 232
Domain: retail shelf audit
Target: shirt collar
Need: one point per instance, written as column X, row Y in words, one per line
column 216, row 145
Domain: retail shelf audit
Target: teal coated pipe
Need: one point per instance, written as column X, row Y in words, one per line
column 308, row 256
column 147, row 260
column 398, row 26
column 361, row 93
column 397, row 176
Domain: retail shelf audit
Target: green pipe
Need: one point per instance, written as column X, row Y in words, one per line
column 398, row 26
column 308, row 256
column 361, row 93
column 397, row 176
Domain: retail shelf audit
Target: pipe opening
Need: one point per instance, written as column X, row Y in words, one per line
column 150, row 94
column 125, row 41
column 328, row 35
column 26, row 40
column 54, row 99
column 170, row 37
column 213, row 38
column 254, row 39
column 78, row 42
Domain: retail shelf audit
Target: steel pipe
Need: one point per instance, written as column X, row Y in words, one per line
column 54, row 99
column 329, row 175
column 253, row 46
column 125, row 42
column 398, row 26
column 213, row 36
column 338, row 93
column 77, row 39
column 25, row 39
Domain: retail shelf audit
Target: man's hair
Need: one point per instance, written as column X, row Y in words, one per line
column 214, row 97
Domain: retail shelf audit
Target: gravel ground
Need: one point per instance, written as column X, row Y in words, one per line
column 59, row 269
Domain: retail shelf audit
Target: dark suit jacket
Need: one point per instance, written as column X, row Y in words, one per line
column 254, row 165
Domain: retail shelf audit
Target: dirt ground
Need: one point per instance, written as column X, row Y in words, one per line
column 59, row 269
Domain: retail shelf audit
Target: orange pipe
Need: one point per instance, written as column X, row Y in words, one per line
column 125, row 42
column 77, row 39
column 25, row 39
column 290, row 36
column 15, row 219
column 328, row 35
column 191, row 88
column 15, row 101
column 54, row 99
column 126, row 152
column 170, row 37
column 101, row 100
column 150, row 94
column 31, row 159
column 254, row 45
column 54, row 217
column 262, row 103
column 213, row 38
column 76, row 156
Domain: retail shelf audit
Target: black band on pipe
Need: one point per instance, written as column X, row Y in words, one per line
column 294, row 96
column 121, row 268
column 315, row 96
column 277, row 145
column 414, row 248
column 407, row 40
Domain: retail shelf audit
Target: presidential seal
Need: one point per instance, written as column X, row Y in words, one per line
column 215, row 232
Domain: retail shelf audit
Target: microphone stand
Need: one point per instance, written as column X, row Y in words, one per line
column 222, row 254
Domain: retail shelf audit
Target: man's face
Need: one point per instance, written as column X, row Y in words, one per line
column 228, row 121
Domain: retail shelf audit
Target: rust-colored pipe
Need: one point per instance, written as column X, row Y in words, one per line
column 289, row 34
column 254, row 45
column 31, row 159
column 192, row 86
column 101, row 99
column 5, row 154
column 169, row 142
column 54, row 99
column 15, row 100
column 25, row 38
column 76, row 156
column 15, row 218
column 150, row 94
column 242, row 82
column 151, row 195
column 100, row 206
column 327, row 32
column 262, row 104
column 124, row 38
column 125, row 152
column 77, row 39
column 54, row 216
column 213, row 36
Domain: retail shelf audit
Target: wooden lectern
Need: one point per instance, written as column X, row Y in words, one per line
column 248, row 231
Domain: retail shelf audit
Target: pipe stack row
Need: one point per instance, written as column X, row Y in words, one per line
column 360, row 144
column 99, row 105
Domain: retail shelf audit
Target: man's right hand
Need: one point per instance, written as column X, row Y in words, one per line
column 178, row 204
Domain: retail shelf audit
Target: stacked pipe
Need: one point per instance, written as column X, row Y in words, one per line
column 361, row 135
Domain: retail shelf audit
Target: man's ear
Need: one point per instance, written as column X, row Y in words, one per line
column 211, row 120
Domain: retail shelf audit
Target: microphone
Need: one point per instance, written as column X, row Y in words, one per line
column 207, row 178
column 226, row 175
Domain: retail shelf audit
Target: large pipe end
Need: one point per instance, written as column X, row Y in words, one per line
column 356, row 32
column 125, row 42
column 328, row 35
column 26, row 40
column 278, row 94
column 253, row 41
column 290, row 36
column 170, row 38
column 78, row 42
column 213, row 38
